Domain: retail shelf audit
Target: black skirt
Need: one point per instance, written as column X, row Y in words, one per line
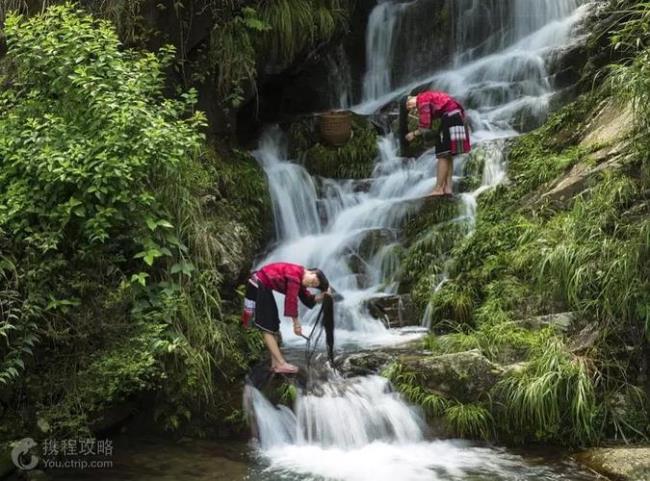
column 266, row 310
column 453, row 136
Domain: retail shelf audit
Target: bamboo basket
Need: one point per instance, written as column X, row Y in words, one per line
column 335, row 127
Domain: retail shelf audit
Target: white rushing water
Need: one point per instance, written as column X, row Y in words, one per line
column 349, row 231
column 359, row 429
column 500, row 65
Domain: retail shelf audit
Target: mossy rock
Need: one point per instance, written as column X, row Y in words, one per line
column 628, row 463
column 434, row 211
column 465, row 376
column 354, row 160
column 473, row 170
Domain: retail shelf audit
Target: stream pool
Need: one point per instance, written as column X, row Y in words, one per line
column 159, row 459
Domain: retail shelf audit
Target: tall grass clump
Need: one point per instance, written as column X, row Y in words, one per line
column 297, row 25
column 553, row 398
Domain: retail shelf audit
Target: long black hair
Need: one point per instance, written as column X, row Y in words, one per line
column 323, row 283
column 403, row 125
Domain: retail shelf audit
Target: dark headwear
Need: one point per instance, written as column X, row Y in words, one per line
column 323, row 283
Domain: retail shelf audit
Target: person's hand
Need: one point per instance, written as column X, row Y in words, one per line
column 297, row 328
column 410, row 137
column 319, row 297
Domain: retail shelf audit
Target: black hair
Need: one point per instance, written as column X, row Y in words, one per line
column 403, row 125
column 323, row 283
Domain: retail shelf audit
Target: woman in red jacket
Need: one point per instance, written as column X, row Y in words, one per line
column 292, row 280
column 452, row 138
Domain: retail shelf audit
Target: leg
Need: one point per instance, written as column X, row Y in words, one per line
column 449, row 184
column 277, row 359
column 442, row 172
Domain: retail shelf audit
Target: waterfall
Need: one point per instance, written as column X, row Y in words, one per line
column 351, row 220
column 359, row 429
column 379, row 49
column 501, row 51
column 340, row 79
column 293, row 193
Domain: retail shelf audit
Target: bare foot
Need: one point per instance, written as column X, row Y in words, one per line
column 437, row 193
column 285, row 368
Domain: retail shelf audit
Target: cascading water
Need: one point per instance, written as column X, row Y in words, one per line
column 358, row 429
column 340, row 79
column 350, row 217
column 502, row 52
column 379, row 49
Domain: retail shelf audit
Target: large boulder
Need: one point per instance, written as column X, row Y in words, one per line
column 464, row 376
column 626, row 463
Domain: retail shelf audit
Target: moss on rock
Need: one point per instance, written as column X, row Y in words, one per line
column 354, row 160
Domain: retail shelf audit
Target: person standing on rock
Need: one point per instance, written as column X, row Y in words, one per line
column 292, row 280
column 453, row 135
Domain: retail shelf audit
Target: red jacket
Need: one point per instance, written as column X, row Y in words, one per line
column 287, row 279
column 433, row 105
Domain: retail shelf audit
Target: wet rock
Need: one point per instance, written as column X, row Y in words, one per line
column 579, row 179
column 585, row 339
column 562, row 321
column 566, row 65
column 375, row 239
column 361, row 185
column 628, row 463
column 394, row 311
column 612, row 123
column 364, row 363
column 464, row 376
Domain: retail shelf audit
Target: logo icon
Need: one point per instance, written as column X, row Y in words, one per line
column 21, row 456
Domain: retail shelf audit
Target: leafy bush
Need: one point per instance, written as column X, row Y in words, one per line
column 117, row 248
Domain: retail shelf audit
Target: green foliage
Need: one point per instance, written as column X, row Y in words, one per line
column 272, row 34
column 433, row 404
column 527, row 257
column 233, row 53
column 553, row 398
column 288, row 393
column 298, row 25
column 85, row 132
column 18, row 329
column 123, row 232
column 463, row 420
column 470, row 420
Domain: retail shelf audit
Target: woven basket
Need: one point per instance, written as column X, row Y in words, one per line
column 335, row 127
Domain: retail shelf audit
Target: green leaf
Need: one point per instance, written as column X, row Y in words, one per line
column 140, row 278
column 151, row 255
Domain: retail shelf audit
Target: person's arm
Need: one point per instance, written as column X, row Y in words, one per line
column 291, row 303
column 297, row 328
column 424, row 121
column 412, row 135
column 425, row 116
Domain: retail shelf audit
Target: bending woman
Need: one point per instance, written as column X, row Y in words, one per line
column 292, row 280
column 452, row 138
